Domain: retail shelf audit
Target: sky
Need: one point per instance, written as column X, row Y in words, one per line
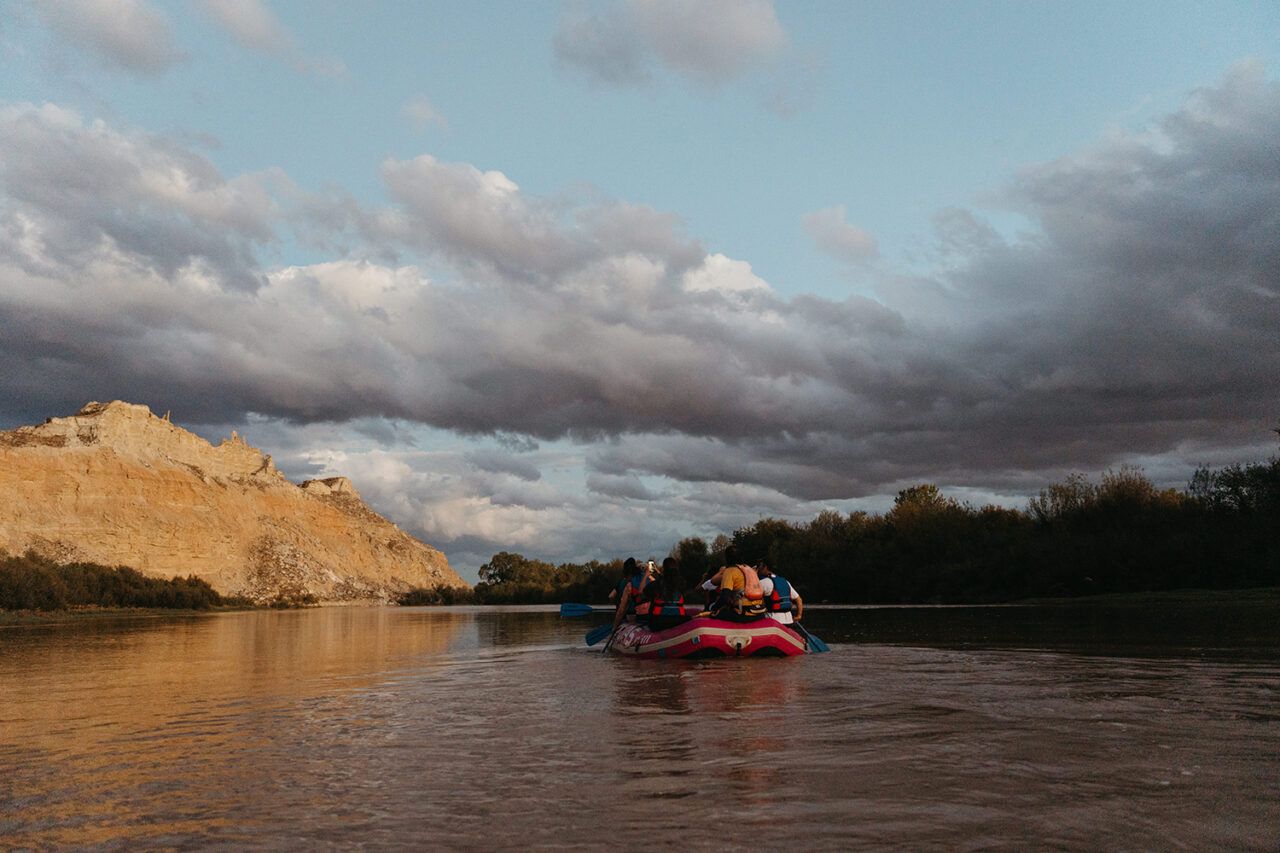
column 578, row 280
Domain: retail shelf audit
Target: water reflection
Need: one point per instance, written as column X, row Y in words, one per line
column 113, row 715
column 516, row 626
column 496, row 728
column 1165, row 628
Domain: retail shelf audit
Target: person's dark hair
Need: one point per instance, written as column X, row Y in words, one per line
column 731, row 555
column 766, row 564
column 671, row 573
column 629, row 566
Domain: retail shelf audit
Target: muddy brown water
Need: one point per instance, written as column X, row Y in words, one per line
column 497, row 728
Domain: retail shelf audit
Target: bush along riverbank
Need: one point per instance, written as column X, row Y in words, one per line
column 31, row 582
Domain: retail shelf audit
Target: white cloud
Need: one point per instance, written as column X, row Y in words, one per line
column 82, row 188
column 126, row 35
column 252, row 24
column 256, row 28
column 708, row 41
column 723, row 274
column 421, row 114
column 715, row 39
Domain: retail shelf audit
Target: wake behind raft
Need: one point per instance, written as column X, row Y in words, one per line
column 705, row 637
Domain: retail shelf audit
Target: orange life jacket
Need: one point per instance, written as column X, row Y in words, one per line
column 748, row 599
column 751, row 588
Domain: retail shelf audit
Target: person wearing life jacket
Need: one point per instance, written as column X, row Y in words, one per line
column 629, row 592
column 741, row 597
column 779, row 595
column 630, row 586
column 662, row 603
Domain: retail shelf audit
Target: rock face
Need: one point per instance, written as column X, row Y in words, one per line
column 115, row 484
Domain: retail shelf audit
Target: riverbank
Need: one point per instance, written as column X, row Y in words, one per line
column 18, row 618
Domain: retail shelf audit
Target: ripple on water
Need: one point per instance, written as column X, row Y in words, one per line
column 484, row 730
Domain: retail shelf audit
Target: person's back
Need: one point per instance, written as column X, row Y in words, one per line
column 779, row 595
column 628, row 570
column 741, row 597
column 665, row 598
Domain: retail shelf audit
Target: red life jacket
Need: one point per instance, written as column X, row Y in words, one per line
column 673, row 605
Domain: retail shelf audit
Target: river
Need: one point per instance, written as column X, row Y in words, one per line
column 498, row 728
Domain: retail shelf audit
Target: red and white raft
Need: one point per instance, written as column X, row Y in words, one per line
column 705, row 637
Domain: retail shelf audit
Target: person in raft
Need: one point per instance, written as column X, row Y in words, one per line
column 662, row 601
column 741, row 599
column 631, row 589
column 631, row 584
column 780, row 597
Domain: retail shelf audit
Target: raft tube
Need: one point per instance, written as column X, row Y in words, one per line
column 705, row 637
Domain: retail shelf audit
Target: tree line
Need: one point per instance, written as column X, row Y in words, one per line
column 32, row 582
column 1075, row 538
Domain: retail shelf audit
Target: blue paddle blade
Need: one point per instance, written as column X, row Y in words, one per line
column 815, row 644
column 597, row 634
column 571, row 609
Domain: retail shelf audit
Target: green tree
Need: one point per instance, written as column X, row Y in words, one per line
column 693, row 557
column 506, row 568
column 1063, row 499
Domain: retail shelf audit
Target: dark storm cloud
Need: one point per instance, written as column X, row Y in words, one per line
column 625, row 486
column 1141, row 318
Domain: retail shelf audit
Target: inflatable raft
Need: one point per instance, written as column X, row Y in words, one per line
column 705, row 637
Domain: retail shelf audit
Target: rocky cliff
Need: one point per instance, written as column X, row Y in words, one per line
column 115, row 484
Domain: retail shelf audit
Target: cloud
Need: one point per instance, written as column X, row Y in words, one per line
column 1138, row 321
column 838, row 238
column 725, row 275
column 420, row 114
column 256, row 28
column 626, row 486
column 499, row 462
column 123, row 35
column 252, row 24
column 709, row 42
column 78, row 194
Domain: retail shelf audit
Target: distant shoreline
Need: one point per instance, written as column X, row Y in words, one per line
column 1210, row 598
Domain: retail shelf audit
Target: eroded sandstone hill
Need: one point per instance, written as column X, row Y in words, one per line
column 115, row 484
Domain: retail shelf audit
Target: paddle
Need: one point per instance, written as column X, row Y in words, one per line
column 571, row 609
column 598, row 633
column 618, row 617
column 815, row 645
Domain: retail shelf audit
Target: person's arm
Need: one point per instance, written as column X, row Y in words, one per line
column 622, row 608
column 649, row 575
column 797, row 602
